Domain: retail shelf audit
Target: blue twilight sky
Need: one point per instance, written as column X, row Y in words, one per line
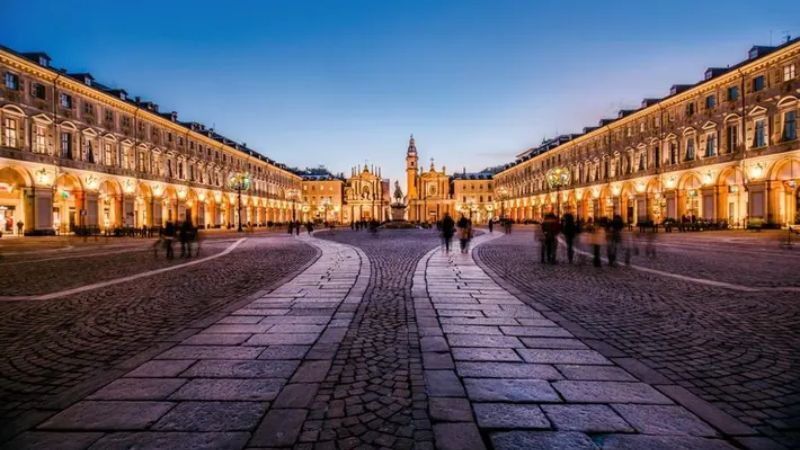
column 338, row 82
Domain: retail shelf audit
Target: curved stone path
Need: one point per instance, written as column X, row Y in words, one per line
column 385, row 342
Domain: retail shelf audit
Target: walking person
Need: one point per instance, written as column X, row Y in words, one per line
column 596, row 239
column 184, row 235
column 464, row 226
column 448, row 230
column 491, row 225
column 614, row 236
column 169, row 236
column 570, row 229
column 551, row 229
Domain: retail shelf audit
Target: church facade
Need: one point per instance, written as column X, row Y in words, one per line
column 433, row 193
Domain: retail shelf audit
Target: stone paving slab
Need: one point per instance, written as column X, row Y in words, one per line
column 531, row 382
column 244, row 379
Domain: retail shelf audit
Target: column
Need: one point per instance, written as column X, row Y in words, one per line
column 38, row 210
column 127, row 210
column 90, row 210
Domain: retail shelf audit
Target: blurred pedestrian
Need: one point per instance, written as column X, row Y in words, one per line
column 614, row 238
column 448, row 227
column 169, row 236
column 551, row 229
column 570, row 229
column 491, row 225
column 464, row 231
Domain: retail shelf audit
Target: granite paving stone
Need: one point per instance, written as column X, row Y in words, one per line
column 505, row 415
column 586, row 418
column 212, row 416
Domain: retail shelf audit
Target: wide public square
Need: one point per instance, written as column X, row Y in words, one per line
column 352, row 339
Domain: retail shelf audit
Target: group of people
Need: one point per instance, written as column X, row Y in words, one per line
column 450, row 227
column 186, row 233
column 295, row 226
column 602, row 232
column 371, row 225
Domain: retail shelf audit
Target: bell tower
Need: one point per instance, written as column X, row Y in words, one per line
column 411, row 169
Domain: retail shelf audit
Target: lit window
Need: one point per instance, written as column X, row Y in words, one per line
column 40, row 139
column 789, row 72
column 10, row 132
column 108, row 158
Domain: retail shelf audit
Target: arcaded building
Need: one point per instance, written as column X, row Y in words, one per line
column 76, row 153
column 723, row 149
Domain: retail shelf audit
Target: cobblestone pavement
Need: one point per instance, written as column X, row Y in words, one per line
column 374, row 395
column 722, row 255
column 738, row 350
column 245, row 377
column 387, row 343
column 28, row 276
column 51, row 348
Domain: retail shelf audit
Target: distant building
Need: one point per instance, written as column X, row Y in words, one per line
column 433, row 193
column 334, row 198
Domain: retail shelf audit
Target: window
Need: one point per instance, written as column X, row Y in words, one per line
column 89, row 151
column 711, row 101
column 790, row 126
column 66, row 101
column 38, row 91
column 66, row 145
column 789, row 72
column 141, row 161
column 673, row 153
column 126, row 121
column 690, row 149
column 689, row 109
column 12, row 81
column 88, row 109
column 758, row 83
column 760, row 138
column 10, row 132
column 169, row 168
column 733, row 93
column 109, row 115
column 711, row 144
column 40, row 139
column 731, row 137
column 108, row 157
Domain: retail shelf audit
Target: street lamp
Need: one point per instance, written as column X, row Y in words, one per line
column 502, row 193
column 240, row 181
column 558, row 178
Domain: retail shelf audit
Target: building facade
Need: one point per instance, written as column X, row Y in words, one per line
column 75, row 153
column 433, row 193
column 723, row 149
column 323, row 198
column 473, row 194
column 366, row 196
